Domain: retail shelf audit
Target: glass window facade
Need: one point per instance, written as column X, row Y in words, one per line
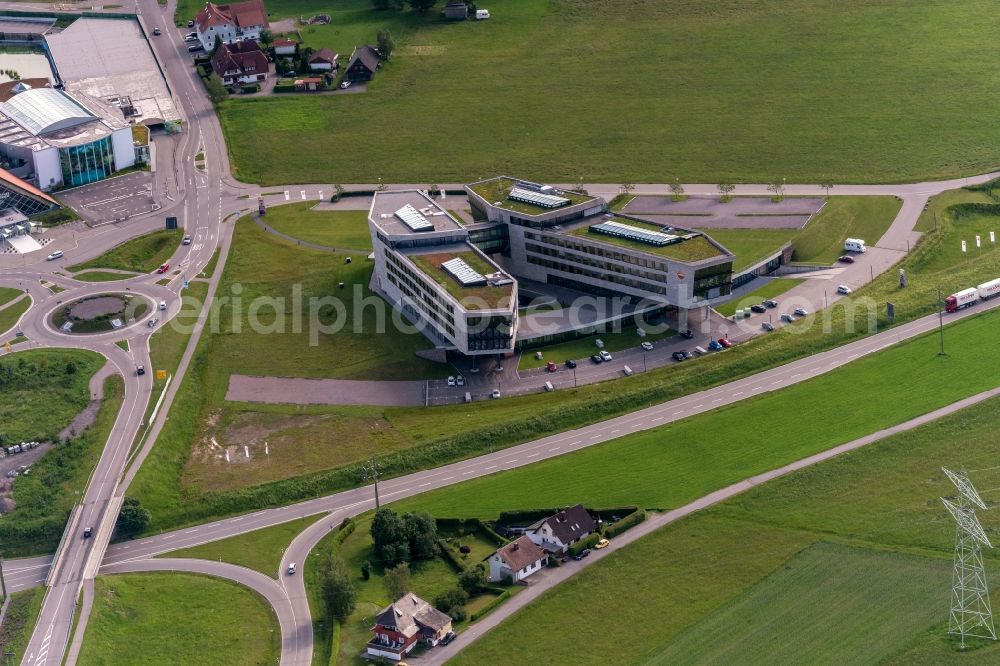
column 22, row 203
column 89, row 163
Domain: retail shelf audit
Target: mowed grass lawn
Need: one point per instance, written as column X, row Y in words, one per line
column 769, row 289
column 260, row 550
column 751, row 92
column 167, row 618
column 102, row 276
column 8, row 294
column 334, row 228
column 872, row 602
column 727, row 560
column 141, row 255
column 668, row 466
column 822, row 239
column 10, row 315
column 20, row 621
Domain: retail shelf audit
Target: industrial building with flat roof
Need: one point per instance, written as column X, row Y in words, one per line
column 426, row 267
column 57, row 138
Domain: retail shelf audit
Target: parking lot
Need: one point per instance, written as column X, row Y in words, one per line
column 113, row 200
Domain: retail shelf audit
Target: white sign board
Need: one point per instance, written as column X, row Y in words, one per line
column 963, row 247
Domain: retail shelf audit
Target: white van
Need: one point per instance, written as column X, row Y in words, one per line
column 482, row 14
column 549, row 386
column 855, row 245
column 163, row 305
column 627, row 370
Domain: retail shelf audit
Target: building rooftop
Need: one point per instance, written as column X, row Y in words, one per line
column 389, row 211
column 45, row 110
column 664, row 241
column 47, row 117
column 511, row 194
column 110, row 59
column 494, row 291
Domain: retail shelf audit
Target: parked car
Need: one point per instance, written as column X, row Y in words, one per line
column 802, row 312
column 570, row 363
column 163, row 305
column 190, row 24
column 194, row 48
column 291, row 568
column 687, row 354
column 714, row 346
column 843, row 289
column 451, row 381
column 605, row 355
column 846, row 259
column 163, row 268
column 648, row 346
column 785, row 317
column 603, row 543
column 496, row 394
column 758, row 307
column 156, row 32
column 626, row 369
column 725, row 342
column 191, row 37
column 771, row 303
column 345, row 85
column 186, row 240
column 460, row 380
column 582, row 554
column 55, row 255
column 551, row 367
column 687, row 334
column 767, row 326
column 596, row 358
column 449, row 637
column 678, row 356
column 152, row 322
column 140, row 370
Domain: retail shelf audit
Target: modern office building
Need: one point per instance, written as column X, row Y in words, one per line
column 426, row 267
column 56, row 138
column 571, row 241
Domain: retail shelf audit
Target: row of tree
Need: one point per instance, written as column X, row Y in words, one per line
column 726, row 189
column 422, row 6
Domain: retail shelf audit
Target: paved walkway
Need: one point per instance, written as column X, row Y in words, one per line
column 294, row 390
column 298, row 241
column 553, row 577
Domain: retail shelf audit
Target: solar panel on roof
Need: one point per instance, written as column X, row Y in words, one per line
column 629, row 232
column 537, row 198
column 414, row 219
column 466, row 275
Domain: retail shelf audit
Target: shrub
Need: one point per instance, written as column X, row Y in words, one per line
column 588, row 541
column 202, row 72
column 248, row 90
column 465, row 550
column 625, row 523
column 446, row 602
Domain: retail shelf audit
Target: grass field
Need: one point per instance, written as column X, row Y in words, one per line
column 8, row 294
column 826, row 590
column 770, row 289
column 19, row 621
column 822, row 240
column 166, row 618
column 333, row 228
column 669, row 466
column 757, row 91
column 141, row 255
column 260, row 550
column 44, row 498
column 209, row 269
column 724, row 560
column 102, row 276
column 11, row 314
column 333, row 439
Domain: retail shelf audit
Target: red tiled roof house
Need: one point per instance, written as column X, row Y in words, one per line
column 241, row 62
column 232, row 23
column 323, row 60
column 402, row 623
column 516, row 561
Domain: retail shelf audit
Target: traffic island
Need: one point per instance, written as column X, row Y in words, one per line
column 99, row 313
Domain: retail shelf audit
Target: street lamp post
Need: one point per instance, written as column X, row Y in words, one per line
column 644, row 360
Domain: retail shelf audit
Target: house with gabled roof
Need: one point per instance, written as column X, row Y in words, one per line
column 364, row 62
column 323, row 60
column 516, row 561
column 231, row 22
column 404, row 622
column 240, row 62
column 556, row 533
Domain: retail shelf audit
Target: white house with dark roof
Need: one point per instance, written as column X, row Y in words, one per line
column 404, row 622
column 516, row 561
column 559, row 531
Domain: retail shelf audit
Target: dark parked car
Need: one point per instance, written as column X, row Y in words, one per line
column 582, row 554
column 87, row 532
column 679, row 356
column 570, row 363
column 758, row 307
column 140, row 370
column 714, row 346
column 846, row 259
column 786, row 318
column 770, row 303
column 687, row 334
column 596, row 358
column 767, row 326
column 448, row 638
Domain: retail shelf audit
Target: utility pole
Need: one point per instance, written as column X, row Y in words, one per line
column 941, row 323
column 371, row 472
column 3, row 583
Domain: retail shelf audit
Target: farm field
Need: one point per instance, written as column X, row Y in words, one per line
column 850, row 87
column 180, row 484
column 333, row 228
column 721, row 562
column 167, row 618
column 140, row 255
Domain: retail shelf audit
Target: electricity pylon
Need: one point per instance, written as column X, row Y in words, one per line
column 971, row 614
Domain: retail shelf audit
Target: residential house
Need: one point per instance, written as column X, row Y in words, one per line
column 558, row 532
column 240, row 62
column 456, row 11
column 402, row 623
column 309, row 84
column 363, row 63
column 516, row 561
column 323, row 60
column 231, row 23
column 285, row 47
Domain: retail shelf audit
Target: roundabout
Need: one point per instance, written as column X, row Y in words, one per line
column 99, row 313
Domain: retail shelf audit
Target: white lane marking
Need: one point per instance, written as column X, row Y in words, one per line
column 555, row 448
column 656, row 418
column 424, row 485
column 717, row 400
column 615, row 430
column 448, row 478
column 532, row 455
column 698, row 406
column 756, row 388
column 491, row 467
column 738, row 393
column 468, row 472
column 795, row 375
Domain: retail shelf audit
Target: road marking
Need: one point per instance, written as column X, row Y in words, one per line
column 556, row 448
column 756, row 388
column 775, row 383
column 738, row 393
column 303, row 193
column 532, row 455
column 656, row 418
column 491, row 467
column 321, row 195
column 795, row 375
column 190, row 531
column 698, row 406
column 468, row 472
column 236, row 520
column 448, row 478
column 615, row 430
column 717, row 400
column 169, row 536
column 424, row 485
